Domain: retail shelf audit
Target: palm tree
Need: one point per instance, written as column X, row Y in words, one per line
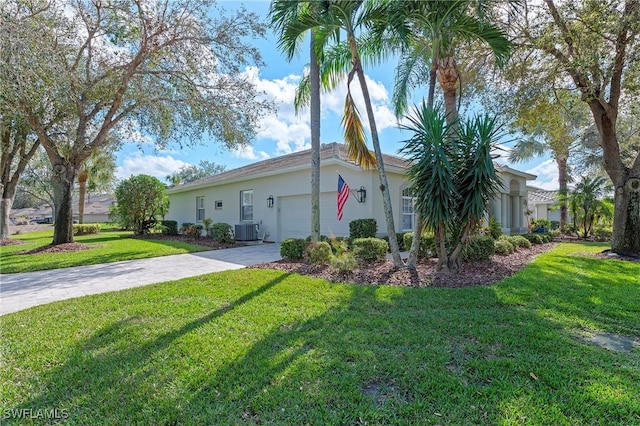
column 284, row 14
column 97, row 170
column 328, row 20
column 588, row 194
column 452, row 176
column 430, row 32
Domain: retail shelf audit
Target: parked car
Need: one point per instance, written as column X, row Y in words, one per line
column 43, row 220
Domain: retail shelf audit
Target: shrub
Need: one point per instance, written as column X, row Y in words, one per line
column 427, row 247
column 191, row 230
column 293, row 248
column 541, row 225
column 534, row 238
column 169, row 227
column 602, row 234
column 222, row 233
column 318, row 252
column 370, row 249
column 362, row 228
column 503, row 247
column 555, row 233
column 494, row 228
column 345, row 262
column 568, row 229
column 206, row 224
column 86, row 229
column 546, row 237
column 322, row 238
column 479, row 247
column 554, row 225
column 339, row 245
column 519, row 241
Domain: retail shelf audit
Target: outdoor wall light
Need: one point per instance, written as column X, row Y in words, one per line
column 270, row 201
column 361, row 194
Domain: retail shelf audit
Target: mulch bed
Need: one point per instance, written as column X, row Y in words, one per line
column 608, row 254
column 10, row 242
column 479, row 273
column 60, row 248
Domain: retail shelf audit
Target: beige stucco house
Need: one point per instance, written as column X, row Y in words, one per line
column 275, row 195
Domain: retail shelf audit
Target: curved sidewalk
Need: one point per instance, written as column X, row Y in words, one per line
column 22, row 291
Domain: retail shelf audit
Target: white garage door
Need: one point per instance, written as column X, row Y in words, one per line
column 294, row 216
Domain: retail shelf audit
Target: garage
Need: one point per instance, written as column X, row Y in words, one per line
column 294, row 216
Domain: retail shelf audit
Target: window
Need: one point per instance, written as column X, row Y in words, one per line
column 408, row 215
column 246, row 205
column 199, row 209
column 218, row 205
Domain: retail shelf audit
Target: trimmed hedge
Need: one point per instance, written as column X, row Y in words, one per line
column 191, row 229
column 169, row 227
column 318, row 252
column 503, row 247
column 479, row 247
column 534, row 238
column 519, row 241
column 345, row 262
column 293, row 248
column 222, row 233
column 86, row 229
column 363, row 228
column 370, row 249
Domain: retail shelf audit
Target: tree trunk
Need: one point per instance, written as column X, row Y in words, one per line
column 5, row 209
column 625, row 238
column 563, row 178
column 83, row 176
column 448, row 79
column 314, row 112
column 384, row 186
column 64, row 174
column 626, row 217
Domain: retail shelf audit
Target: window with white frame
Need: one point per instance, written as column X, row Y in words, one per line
column 199, row 209
column 246, row 205
column 408, row 214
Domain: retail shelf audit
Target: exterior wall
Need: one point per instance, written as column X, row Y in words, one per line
column 290, row 216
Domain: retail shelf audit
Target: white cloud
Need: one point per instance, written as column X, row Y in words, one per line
column 248, row 153
column 158, row 166
column 547, row 173
column 292, row 132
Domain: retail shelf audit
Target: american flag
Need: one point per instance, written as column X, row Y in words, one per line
column 343, row 195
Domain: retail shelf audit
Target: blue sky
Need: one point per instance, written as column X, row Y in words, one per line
column 284, row 132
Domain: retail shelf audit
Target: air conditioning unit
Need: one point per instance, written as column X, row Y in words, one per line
column 246, row 232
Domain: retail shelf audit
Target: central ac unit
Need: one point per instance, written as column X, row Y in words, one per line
column 246, row 232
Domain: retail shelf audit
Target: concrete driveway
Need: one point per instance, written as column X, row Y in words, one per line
column 22, row 291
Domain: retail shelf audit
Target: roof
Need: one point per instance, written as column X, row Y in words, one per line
column 542, row 196
column 331, row 151
column 506, row 169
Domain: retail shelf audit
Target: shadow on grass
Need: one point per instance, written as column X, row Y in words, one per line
column 380, row 355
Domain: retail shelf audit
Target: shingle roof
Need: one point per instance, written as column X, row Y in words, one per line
column 327, row 151
column 542, row 196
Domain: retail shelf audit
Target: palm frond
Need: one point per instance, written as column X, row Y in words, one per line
column 302, row 97
column 354, row 135
column 528, row 148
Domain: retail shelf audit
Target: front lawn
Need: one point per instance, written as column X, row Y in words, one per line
column 267, row 347
column 111, row 245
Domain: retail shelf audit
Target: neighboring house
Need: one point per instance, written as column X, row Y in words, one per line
column 96, row 209
column 275, row 195
column 542, row 203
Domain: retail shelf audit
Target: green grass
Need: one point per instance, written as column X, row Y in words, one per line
column 111, row 246
column 266, row 347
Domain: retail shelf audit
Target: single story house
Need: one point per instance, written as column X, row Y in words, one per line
column 272, row 198
column 542, row 203
column 96, row 210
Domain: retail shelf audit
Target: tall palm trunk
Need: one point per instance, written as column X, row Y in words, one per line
column 83, row 176
column 563, row 178
column 448, row 78
column 314, row 112
column 384, row 186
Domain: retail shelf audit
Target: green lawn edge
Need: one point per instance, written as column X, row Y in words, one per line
column 111, row 245
column 267, row 347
